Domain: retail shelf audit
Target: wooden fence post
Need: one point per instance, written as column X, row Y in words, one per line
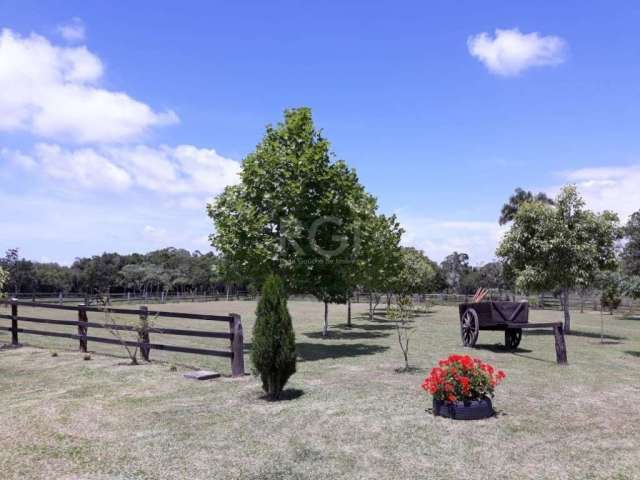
column 82, row 329
column 237, row 345
column 561, row 348
column 144, row 333
column 14, row 322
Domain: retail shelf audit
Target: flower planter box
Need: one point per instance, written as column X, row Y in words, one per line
column 468, row 410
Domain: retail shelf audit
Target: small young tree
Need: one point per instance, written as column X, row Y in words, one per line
column 400, row 313
column 273, row 352
column 142, row 328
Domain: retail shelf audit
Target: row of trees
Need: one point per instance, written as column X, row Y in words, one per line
column 168, row 270
column 303, row 216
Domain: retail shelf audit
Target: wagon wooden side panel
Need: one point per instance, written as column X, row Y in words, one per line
column 504, row 316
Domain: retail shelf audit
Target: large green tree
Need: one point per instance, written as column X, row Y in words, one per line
column 454, row 267
column 296, row 213
column 631, row 252
column 559, row 247
column 381, row 259
column 520, row 196
column 416, row 272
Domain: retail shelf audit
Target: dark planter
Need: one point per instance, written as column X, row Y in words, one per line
column 468, row 410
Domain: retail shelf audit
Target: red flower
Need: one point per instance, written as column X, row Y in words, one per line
column 461, row 376
column 467, row 362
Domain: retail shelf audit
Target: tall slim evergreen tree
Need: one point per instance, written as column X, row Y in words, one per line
column 273, row 352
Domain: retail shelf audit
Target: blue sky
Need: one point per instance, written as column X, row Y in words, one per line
column 119, row 120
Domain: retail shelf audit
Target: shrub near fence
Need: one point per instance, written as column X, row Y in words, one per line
column 145, row 344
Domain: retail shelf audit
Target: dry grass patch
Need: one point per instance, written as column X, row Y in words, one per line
column 350, row 415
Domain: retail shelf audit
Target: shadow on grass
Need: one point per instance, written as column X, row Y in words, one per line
column 381, row 318
column 410, row 369
column 348, row 335
column 518, row 352
column 364, row 326
column 309, row 352
column 632, row 353
column 574, row 333
column 286, row 395
column 499, row 348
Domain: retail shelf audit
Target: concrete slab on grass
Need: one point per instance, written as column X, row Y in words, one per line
column 201, row 375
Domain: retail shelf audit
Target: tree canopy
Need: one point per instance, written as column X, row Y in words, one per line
column 416, row 272
column 631, row 252
column 168, row 270
column 559, row 247
column 454, row 267
column 520, row 196
column 295, row 213
column 300, row 214
column 4, row 276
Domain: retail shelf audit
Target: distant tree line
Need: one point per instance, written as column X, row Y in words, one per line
column 170, row 270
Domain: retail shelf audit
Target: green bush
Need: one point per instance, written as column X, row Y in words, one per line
column 610, row 297
column 4, row 277
column 273, row 349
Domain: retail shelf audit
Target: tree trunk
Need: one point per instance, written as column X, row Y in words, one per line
column 370, row 306
column 325, row 327
column 565, row 307
column 349, row 312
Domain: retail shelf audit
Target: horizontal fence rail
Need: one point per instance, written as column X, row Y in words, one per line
column 112, row 298
column 543, row 301
column 143, row 330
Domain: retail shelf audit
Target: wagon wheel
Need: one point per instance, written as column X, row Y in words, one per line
column 469, row 327
column 512, row 337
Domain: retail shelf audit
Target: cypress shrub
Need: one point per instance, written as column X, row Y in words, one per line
column 273, row 349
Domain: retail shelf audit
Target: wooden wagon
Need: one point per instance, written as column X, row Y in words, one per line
column 504, row 316
column 510, row 317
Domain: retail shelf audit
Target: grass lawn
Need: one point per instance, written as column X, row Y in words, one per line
column 349, row 414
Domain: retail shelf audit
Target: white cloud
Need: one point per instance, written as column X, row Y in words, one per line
column 82, row 168
column 70, row 226
column 73, row 30
column 608, row 188
column 23, row 161
column 511, row 52
column 54, row 92
column 158, row 235
column 439, row 238
column 184, row 170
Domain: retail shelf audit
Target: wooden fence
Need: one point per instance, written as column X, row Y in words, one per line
column 144, row 332
column 62, row 298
